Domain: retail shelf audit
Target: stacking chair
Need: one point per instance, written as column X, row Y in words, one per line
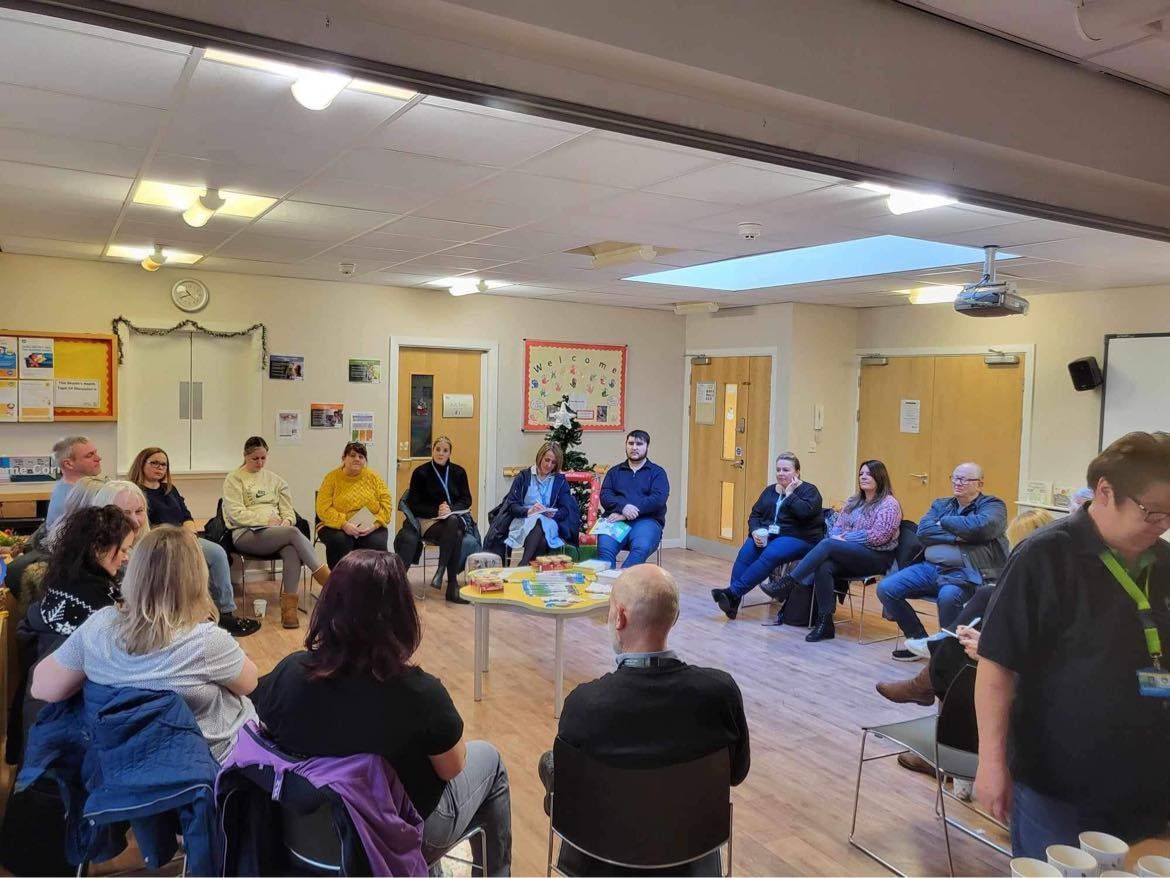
column 229, row 546
column 949, row 741
column 906, row 554
column 640, row 818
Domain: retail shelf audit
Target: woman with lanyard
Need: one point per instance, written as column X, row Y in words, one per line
column 440, row 497
column 540, row 512
column 786, row 522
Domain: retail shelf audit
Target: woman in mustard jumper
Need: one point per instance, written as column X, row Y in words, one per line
column 353, row 507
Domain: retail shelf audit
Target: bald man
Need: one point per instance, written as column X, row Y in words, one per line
column 964, row 546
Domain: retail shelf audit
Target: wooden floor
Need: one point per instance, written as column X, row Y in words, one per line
column 805, row 704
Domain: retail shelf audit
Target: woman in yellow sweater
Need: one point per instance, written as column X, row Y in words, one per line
column 353, row 507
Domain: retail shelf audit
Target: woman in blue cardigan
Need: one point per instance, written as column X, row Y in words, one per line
column 540, row 512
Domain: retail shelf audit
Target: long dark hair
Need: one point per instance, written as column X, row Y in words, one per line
column 82, row 536
column 137, row 473
column 882, row 489
column 365, row 621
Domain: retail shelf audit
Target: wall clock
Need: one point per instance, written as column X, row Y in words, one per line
column 190, row 295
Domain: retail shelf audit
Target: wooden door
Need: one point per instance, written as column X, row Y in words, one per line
column 968, row 411
column 729, row 408
column 984, row 408
column 886, row 391
column 425, row 375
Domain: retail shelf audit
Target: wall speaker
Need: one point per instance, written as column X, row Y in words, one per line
column 1085, row 373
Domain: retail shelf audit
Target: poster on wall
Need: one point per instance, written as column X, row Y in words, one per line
column 35, row 401
column 288, row 427
column 75, row 393
column 8, row 401
column 365, row 372
column 286, row 367
column 28, row 469
column 36, row 358
column 361, row 427
column 326, row 416
column 8, row 367
column 592, row 376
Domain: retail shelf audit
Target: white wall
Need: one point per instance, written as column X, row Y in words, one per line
column 1063, row 327
column 329, row 322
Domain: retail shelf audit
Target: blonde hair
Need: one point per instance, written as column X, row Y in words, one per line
column 80, row 496
column 558, row 453
column 164, row 591
column 1026, row 523
column 444, row 439
column 109, row 493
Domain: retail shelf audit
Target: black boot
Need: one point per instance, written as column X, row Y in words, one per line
column 437, row 579
column 728, row 602
column 778, row 589
column 453, row 592
column 824, row 629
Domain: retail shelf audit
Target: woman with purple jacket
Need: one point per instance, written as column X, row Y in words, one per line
column 861, row 542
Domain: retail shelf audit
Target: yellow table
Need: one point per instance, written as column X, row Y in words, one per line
column 514, row 599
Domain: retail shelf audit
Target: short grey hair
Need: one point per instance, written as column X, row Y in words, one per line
column 63, row 448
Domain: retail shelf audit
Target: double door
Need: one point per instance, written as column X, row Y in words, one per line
column 922, row 416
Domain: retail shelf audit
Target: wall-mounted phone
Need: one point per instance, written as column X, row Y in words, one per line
column 819, row 416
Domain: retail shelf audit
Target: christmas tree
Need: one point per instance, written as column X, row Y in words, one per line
column 566, row 431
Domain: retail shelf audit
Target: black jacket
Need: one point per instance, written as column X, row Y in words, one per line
column 800, row 515
column 568, row 516
column 426, row 490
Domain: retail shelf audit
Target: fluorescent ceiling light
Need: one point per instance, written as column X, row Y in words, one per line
column 623, row 255
column 902, row 201
column 932, row 295
column 863, row 257
column 316, row 89
column 682, row 308
column 465, row 286
column 203, row 209
column 137, row 254
column 181, row 198
column 294, row 72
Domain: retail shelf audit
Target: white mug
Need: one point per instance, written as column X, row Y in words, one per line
column 1030, row 867
column 259, row 606
column 1153, row 867
column 1108, row 850
column 1072, row 862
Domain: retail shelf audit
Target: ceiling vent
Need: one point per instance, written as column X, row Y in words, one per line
column 608, row 253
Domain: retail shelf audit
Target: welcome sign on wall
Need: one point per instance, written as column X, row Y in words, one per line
column 592, row 376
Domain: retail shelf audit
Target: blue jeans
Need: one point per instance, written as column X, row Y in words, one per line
column 753, row 564
column 220, row 575
column 830, row 560
column 950, row 589
column 644, row 536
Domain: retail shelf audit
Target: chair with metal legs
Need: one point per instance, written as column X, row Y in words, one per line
column 949, row 741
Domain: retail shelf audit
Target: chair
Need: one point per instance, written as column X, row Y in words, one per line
column 591, row 509
column 783, row 570
column 906, row 554
column 640, row 818
column 225, row 541
column 949, row 741
column 412, row 520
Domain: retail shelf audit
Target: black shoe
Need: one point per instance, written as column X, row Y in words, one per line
column 453, row 594
column 437, row 579
column 824, row 630
column 905, row 655
column 237, row 627
column 778, row 589
column 727, row 602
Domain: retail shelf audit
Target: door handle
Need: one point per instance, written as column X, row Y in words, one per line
column 402, row 460
column 738, row 464
column 924, row 476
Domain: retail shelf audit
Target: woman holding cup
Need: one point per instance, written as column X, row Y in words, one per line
column 786, row 522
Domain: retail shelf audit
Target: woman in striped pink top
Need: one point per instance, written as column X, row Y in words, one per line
column 861, row 542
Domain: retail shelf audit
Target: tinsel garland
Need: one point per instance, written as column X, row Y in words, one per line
column 192, row 325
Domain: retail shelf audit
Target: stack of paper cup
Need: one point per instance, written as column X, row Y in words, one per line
column 1154, row 867
column 1108, row 850
column 1071, row 861
column 1030, row 867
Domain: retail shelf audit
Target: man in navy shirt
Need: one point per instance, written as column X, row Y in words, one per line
column 634, row 492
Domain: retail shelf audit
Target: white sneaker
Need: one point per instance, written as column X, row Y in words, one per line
column 961, row 788
column 917, row 645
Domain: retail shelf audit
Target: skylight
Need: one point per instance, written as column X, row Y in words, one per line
column 862, row 257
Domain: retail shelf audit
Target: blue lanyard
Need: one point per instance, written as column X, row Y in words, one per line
column 776, row 514
column 443, row 479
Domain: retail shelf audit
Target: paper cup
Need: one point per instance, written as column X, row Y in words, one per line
column 1108, row 850
column 1117, row 873
column 259, row 607
column 1154, row 867
column 1072, row 862
column 1030, row 867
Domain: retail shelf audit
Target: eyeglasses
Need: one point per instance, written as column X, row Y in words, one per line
column 959, row 480
column 1155, row 516
column 161, row 463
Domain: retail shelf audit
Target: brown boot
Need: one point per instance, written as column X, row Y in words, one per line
column 914, row 762
column 288, row 610
column 917, row 690
column 321, row 574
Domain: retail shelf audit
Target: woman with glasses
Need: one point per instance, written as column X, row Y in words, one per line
column 151, row 471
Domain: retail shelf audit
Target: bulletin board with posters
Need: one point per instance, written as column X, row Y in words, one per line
column 592, row 376
column 57, row 376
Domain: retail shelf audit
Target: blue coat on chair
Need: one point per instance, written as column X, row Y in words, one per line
column 568, row 516
column 125, row 757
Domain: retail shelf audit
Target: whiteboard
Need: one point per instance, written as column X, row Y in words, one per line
column 1137, row 392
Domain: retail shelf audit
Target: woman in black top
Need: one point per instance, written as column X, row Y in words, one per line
column 440, row 499
column 151, row 471
column 786, row 522
column 353, row 691
column 88, row 549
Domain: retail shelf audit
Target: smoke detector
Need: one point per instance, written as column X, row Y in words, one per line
column 750, row 231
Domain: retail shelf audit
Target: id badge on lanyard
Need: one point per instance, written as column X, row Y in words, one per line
column 1154, row 681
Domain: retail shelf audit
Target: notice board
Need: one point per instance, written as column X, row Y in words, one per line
column 57, row 376
column 592, row 376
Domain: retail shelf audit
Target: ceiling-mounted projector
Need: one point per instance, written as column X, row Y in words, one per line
column 989, row 297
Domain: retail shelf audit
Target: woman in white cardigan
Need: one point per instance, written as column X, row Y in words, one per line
column 258, row 509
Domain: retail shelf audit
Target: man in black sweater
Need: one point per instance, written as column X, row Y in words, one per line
column 655, row 709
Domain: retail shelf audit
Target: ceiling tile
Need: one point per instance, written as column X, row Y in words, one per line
column 59, row 180
column 296, row 218
column 497, row 255
column 537, row 192
column 167, row 227
column 17, row 145
column 608, row 162
column 735, row 184
column 366, row 196
column 75, row 223
column 267, row 248
column 648, row 207
column 65, row 24
column 446, row 230
column 469, row 137
column 534, row 240
column 68, row 116
column 458, row 208
column 254, row 179
column 49, row 247
column 410, row 243
column 442, row 262
column 927, row 223
column 246, row 144
column 508, row 115
column 396, row 279
column 401, row 170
